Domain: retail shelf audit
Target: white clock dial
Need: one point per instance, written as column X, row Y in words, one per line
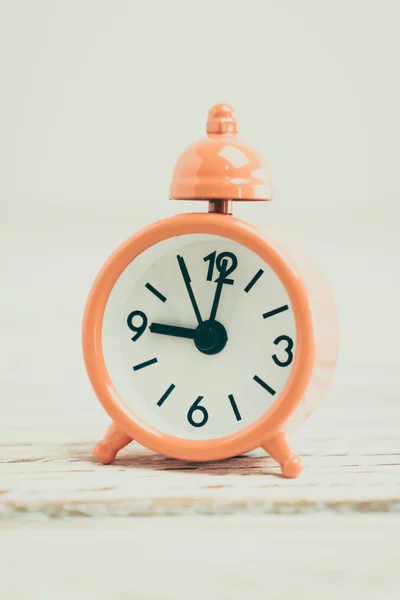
column 228, row 365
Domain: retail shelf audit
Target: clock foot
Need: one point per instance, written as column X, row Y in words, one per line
column 278, row 449
column 114, row 440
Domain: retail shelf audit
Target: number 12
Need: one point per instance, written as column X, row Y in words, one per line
column 216, row 261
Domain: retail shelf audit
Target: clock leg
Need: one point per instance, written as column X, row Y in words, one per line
column 278, row 449
column 107, row 449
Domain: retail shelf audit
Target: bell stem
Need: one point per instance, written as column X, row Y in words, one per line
column 221, row 206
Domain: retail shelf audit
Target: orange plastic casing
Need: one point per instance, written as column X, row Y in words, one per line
column 316, row 337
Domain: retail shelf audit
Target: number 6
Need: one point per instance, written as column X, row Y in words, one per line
column 195, row 406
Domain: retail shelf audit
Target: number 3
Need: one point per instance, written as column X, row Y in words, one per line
column 288, row 350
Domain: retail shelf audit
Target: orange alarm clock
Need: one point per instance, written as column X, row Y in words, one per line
column 203, row 337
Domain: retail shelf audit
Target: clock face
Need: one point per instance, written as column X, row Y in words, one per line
column 198, row 336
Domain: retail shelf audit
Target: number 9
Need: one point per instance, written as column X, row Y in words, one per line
column 138, row 330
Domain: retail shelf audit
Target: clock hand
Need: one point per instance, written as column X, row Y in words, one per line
column 187, row 280
column 174, row 330
column 221, row 281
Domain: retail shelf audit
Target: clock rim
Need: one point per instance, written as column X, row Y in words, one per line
column 266, row 426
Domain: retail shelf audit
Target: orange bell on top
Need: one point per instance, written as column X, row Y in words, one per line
column 221, row 166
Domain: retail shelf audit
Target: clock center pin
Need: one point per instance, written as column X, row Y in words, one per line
column 210, row 337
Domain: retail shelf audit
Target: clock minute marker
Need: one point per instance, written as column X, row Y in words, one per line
column 276, row 311
column 234, row 407
column 156, row 293
column 147, row 363
column 253, row 281
column 264, row 385
column 166, row 394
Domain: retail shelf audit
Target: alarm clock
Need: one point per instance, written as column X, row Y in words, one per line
column 203, row 336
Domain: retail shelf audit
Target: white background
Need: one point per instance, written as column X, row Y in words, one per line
column 98, row 99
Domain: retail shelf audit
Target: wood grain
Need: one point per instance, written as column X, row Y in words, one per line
column 351, row 455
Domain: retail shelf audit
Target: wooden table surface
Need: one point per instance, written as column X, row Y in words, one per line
column 151, row 527
column 350, row 449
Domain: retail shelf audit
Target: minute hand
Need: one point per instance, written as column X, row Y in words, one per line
column 221, row 281
column 187, row 280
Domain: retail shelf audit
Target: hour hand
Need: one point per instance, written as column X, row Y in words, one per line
column 174, row 330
